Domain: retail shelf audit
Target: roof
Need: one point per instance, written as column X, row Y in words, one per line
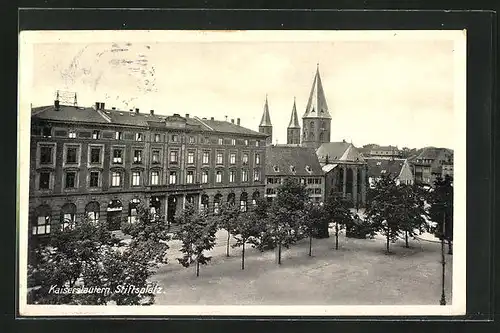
column 285, row 157
column 91, row 115
column 316, row 104
column 385, row 148
column 379, row 166
column 338, row 151
column 266, row 119
column 329, row 167
column 431, row 153
column 294, row 119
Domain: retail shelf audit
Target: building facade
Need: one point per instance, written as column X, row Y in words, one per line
column 297, row 163
column 102, row 163
column 428, row 165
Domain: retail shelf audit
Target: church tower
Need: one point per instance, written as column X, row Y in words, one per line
column 265, row 124
column 293, row 130
column 316, row 119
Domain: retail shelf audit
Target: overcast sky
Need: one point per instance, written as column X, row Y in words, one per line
column 387, row 92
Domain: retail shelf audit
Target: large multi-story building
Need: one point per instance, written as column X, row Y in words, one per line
column 102, row 163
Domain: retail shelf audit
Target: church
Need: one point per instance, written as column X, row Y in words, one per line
column 343, row 170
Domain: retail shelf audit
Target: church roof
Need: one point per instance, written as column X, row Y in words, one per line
column 294, row 119
column 389, row 167
column 266, row 119
column 339, row 151
column 292, row 161
column 316, row 105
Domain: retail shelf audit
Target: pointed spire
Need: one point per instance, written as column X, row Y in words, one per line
column 294, row 119
column 266, row 119
column 316, row 105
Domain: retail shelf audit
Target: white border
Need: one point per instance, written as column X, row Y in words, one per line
column 26, row 41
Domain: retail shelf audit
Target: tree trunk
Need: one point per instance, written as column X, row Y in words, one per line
column 279, row 253
column 336, row 236
column 227, row 245
column 310, row 245
column 450, row 247
column 387, row 241
column 406, row 239
column 243, row 257
column 197, row 268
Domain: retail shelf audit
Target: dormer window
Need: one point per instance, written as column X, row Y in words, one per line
column 383, row 171
column 276, row 168
column 292, row 168
column 379, row 163
column 308, row 169
column 72, row 134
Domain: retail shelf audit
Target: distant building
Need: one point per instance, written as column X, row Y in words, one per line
column 298, row 163
column 428, row 165
column 383, row 152
column 397, row 169
column 345, row 171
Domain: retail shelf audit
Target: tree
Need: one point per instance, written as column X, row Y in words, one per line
column 313, row 219
column 197, row 233
column 264, row 240
column 337, row 210
column 285, row 214
column 441, row 210
column 86, row 257
column 411, row 211
column 227, row 218
column 383, row 209
column 246, row 229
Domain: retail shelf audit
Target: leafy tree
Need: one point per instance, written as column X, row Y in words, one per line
column 441, row 210
column 197, row 233
column 383, row 209
column 86, row 256
column 337, row 210
column 285, row 214
column 313, row 219
column 264, row 240
column 246, row 229
column 411, row 211
column 227, row 219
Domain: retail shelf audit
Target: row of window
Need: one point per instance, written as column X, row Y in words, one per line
column 94, row 180
column 71, row 156
column 156, row 137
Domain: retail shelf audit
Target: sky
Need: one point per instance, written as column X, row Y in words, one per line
column 398, row 92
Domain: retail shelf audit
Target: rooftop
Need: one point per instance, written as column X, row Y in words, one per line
column 288, row 160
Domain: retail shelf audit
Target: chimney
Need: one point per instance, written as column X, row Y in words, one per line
column 102, row 106
column 211, row 118
column 152, row 112
column 232, row 121
column 238, row 121
column 113, row 108
column 136, row 110
column 187, row 115
column 204, row 118
column 225, row 117
column 97, row 104
column 56, row 104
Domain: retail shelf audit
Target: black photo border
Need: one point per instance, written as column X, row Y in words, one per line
column 481, row 103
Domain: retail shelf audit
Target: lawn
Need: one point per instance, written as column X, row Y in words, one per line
column 359, row 273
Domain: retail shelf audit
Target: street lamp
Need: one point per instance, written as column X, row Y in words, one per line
column 443, row 262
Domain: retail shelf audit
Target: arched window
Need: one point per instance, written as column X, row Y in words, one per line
column 155, row 205
column 321, row 136
column 133, row 205
column 231, row 198
column 255, row 196
column 312, row 136
column 243, row 201
column 323, row 124
column 41, row 225
column 311, row 125
column 217, row 202
column 92, row 211
column 68, row 213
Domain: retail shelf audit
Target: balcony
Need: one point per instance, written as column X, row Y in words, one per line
column 175, row 187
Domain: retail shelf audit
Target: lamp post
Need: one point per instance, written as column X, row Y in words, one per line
column 443, row 263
